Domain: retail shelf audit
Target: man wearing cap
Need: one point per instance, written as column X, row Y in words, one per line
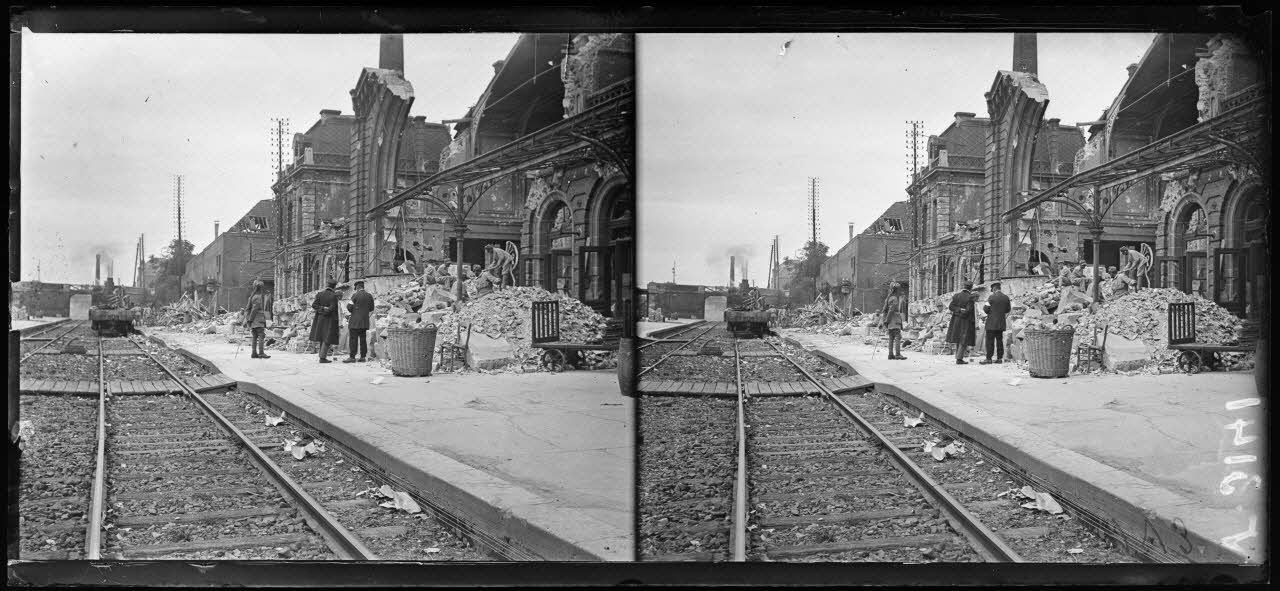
column 324, row 328
column 257, row 314
column 997, row 308
column 358, row 325
column 963, row 325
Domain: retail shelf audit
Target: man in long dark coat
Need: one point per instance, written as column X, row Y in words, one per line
column 963, row 326
column 324, row 328
column 997, row 309
column 358, row 325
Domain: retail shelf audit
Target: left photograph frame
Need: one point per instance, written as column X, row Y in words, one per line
column 433, row 277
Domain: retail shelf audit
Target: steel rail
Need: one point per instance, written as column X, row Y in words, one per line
column 980, row 537
column 50, row 342
column 682, row 332
column 673, row 351
column 343, row 543
column 37, row 331
column 738, row 536
column 97, row 498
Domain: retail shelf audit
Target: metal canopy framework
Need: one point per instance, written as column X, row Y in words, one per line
column 1236, row 136
column 605, row 129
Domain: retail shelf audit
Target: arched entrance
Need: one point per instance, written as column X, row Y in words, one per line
column 1186, row 267
column 608, row 259
column 554, row 244
column 1241, row 261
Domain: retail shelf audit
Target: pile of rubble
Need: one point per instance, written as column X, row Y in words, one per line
column 507, row 314
column 1144, row 315
column 819, row 313
column 17, row 312
column 182, row 312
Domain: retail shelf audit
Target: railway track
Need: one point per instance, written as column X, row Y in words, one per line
column 165, row 462
column 42, row 338
column 757, row 453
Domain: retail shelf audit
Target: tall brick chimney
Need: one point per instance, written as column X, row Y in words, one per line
column 215, row 229
column 97, row 268
column 1024, row 53
column 391, row 52
column 851, row 233
column 731, row 262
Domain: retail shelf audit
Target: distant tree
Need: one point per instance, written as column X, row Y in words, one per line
column 178, row 255
column 806, row 269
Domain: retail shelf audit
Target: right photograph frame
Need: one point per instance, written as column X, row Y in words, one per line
column 832, row 227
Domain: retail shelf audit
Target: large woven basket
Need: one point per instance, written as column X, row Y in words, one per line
column 1049, row 352
column 410, row 350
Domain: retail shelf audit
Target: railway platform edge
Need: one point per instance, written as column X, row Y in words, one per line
column 1145, row 510
column 505, row 509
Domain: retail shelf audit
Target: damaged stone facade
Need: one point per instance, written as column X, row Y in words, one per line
column 574, row 219
column 315, row 204
column 1206, row 224
column 952, row 198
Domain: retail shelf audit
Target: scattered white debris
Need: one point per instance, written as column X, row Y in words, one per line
column 432, row 550
column 378, row 380
column 399, row 500
column 1076, row 551
column 1040, row 501
column 1015, row 381
column 912, row 422
column 273, row 421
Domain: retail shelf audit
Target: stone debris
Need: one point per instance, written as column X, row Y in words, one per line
column 1132, row 315
column 823, row 317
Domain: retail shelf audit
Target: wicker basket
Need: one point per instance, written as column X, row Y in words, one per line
column 1048, row 352
column 410, row 350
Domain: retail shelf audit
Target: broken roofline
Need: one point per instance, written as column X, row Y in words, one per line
column 1184, row 149
column 489, row 164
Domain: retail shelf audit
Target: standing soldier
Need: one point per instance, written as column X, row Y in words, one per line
column 256, row 316
column 358, row 326
column 324, row 327
column 891, row 316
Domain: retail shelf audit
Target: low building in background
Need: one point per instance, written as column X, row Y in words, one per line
column 222, row 275
column 857, row 276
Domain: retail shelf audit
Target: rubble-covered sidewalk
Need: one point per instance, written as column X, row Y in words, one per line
column 500, row 323
column 545, row 458
column 1157, row 443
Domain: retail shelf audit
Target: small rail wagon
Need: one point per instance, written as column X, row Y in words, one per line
column 113, row 321
column 747, row 323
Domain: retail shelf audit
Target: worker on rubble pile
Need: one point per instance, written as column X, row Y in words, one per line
column 361, row 307
column 257, row 314
column 324, row 328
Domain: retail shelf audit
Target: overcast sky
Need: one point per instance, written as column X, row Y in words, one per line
column 731, row 128
column 108, row 119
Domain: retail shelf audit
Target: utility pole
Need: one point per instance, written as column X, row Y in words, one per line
column 177, row 206
column 773, row 265
column 915, row 132
column 279, row 133
column 813, row 210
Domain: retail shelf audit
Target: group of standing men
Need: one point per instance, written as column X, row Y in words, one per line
column 324, row 329
column 963, row 328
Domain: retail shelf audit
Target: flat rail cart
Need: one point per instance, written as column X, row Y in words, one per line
column 113, row 321
column 1196, row 357
column 559, row 354
column 747, row 323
